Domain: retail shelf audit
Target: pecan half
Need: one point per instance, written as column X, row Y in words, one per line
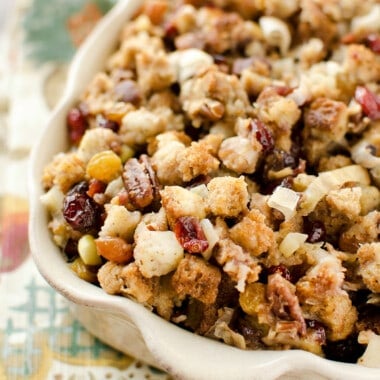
column 140, row 182
column 284, row 302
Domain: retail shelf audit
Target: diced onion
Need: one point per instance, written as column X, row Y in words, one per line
column 291, row 242
column 368, row 21
column 211, row 236
column 284, row 200
column 370, row 358
column 200, row 190
column 188, row 62
column 329, row 180
column 362, row 155
column 276, row 32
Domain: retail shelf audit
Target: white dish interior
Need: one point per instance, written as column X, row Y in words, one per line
column 123, row 323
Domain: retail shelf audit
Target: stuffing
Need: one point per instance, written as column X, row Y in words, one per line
column 226, row 163
column 154, row 71
column 178, row 202
column 196, row 278
column 61, row 232
column 279, row 8
column 253, row 234
column 253, row 83
column 165, row 298
column 139, row 126
column 311, row 52
column 97, row 140
column 195, row 161
column 213, row 95
column 283, row 301
column 216, row 32
column 361, row 65
column 152, row 221
column 323, row 79
column 164, row 158
column 64, row 171
column 189, row 62
column 132, row 45
column 346, row 201
column 120, row 279
column 176, row 163
column 333, row 162
column 157, row 253
column 238, row 154
column 165, row 102
column 237, row 263
column 325, row 121
column 98, row 94
column 367, row 19
column 369, row 268
column 334, row 221
column 370, row 199
column 315, row 23
column 228, row 196
column 322, row 298
column 128, row 280
column 119, row 222
column 280, row 113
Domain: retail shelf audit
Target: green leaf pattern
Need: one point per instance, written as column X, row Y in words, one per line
column 47, row 38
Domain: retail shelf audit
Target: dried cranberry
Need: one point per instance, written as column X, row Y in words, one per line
column 282, row 270
column 315, row 230
column 252, row 335
column 347, row 350
column 263, row 134
column 103, row 122
column 319, row 330
column 71, row 249
column 171, row 31
column 279, row 159
column 283, row 90
column 76, row 124
column 373, row 42
column 80, row 211
column 369, row 102
column 190, row 234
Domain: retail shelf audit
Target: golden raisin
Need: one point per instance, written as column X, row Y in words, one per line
column 252, row 298
column 114, row 249
column 104, row 166
column 83, row 271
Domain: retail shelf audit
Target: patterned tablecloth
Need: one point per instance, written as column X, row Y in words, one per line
column 39, row 339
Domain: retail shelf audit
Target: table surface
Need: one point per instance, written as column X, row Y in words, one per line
column 39, row 339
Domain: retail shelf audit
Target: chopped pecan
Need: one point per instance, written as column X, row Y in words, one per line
column 212, row 110
column 284, row 302
column 140, row 182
